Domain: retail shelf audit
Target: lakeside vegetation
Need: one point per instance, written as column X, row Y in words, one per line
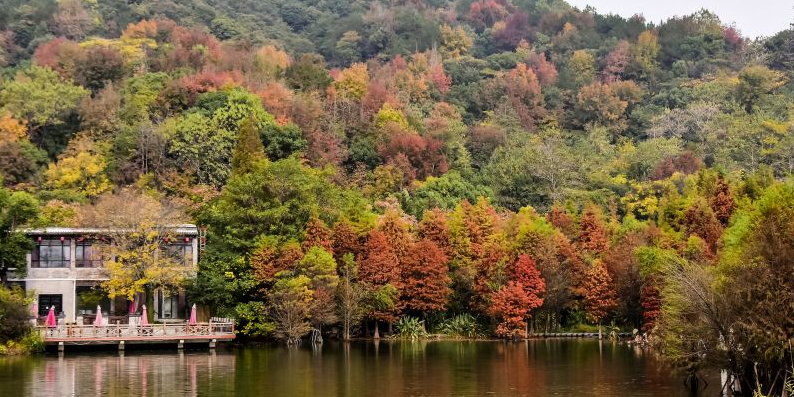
column 485, row 167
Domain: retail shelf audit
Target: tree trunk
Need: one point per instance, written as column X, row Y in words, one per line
column 4, row 276
column 149, row 299
column 599, row 331
column 377, row 332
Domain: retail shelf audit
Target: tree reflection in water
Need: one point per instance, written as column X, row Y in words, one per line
column 383, row 369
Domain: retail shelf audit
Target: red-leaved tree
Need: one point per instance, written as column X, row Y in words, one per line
column 425, row 278
column 593, row 236
column 378, row 268
column 599, row 297
column 317, row 235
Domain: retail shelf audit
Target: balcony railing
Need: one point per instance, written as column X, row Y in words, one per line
column 119, row 332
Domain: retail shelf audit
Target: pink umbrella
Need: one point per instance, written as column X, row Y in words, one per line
column 144, row 316
column 192, row 320
column 133, row 306
column 51, row 318
column 98, row 321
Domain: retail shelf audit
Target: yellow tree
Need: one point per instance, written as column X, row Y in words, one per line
column 11, row 129
column 455, row 42
column 141, row 257
column 81, row 168
column 646, row 50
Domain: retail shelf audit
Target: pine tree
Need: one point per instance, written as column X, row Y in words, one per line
column 249, row 149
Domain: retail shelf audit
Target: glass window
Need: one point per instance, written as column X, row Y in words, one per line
column 46, row 301
column 181, row 250
column 51, row 252
column 86, row 253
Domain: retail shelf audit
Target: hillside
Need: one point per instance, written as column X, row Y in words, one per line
column 524, row 161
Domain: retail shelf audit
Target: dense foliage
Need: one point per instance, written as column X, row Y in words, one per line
column 359, row 163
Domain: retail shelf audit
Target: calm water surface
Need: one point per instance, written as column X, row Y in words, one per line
column 535, row 368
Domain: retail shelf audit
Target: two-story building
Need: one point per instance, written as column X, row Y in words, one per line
column 65, row 269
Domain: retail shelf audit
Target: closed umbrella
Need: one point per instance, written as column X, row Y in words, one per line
column 51, row 318
column 144, row 316
column 98, row 321
column 192, row 320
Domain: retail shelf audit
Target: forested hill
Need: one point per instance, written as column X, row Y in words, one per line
column 514, row 159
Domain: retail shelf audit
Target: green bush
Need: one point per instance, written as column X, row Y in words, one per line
column 29, row 343
column 410, row 327
column 14, row 314
column 461, row 326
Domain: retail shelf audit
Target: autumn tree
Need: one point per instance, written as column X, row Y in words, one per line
column 433, row 227
column 593, row 236
column 527, row 275
column 700, row 220
column 425, row 278
column 379, row 267
column 562, row 220
column 598, row 104
column 722, row 201
column 523, row 89
column 317, row 234
column 141, row 229
column 599, row 297
column 345, row 240
column 510, row 304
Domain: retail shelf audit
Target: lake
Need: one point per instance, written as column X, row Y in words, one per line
column 388, row 368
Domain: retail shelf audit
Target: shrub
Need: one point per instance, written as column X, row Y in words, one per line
column 410, row 327
column 461, row 326
column 14, row 314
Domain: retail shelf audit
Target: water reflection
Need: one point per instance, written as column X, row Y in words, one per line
column 385, row 368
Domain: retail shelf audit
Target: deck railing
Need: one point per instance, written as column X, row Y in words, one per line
column 124, row 331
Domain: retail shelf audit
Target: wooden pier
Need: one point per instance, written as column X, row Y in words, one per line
column 124, row 334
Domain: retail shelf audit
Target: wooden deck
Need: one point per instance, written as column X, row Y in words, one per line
column 121, row 334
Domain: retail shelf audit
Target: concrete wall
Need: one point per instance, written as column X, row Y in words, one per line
column 57, row 287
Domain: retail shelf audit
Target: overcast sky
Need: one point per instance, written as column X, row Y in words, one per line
column 752, row 18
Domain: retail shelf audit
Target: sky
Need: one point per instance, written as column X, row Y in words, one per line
column 752, row 18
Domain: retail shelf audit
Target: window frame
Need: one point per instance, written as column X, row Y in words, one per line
column 65, row 259
column 84, row 244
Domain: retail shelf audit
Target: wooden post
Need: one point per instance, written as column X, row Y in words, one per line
column 181, row 344
column 121, row 346
column 60, row 347
column 212, row 343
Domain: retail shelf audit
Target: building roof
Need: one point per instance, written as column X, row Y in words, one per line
column 184, row 230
